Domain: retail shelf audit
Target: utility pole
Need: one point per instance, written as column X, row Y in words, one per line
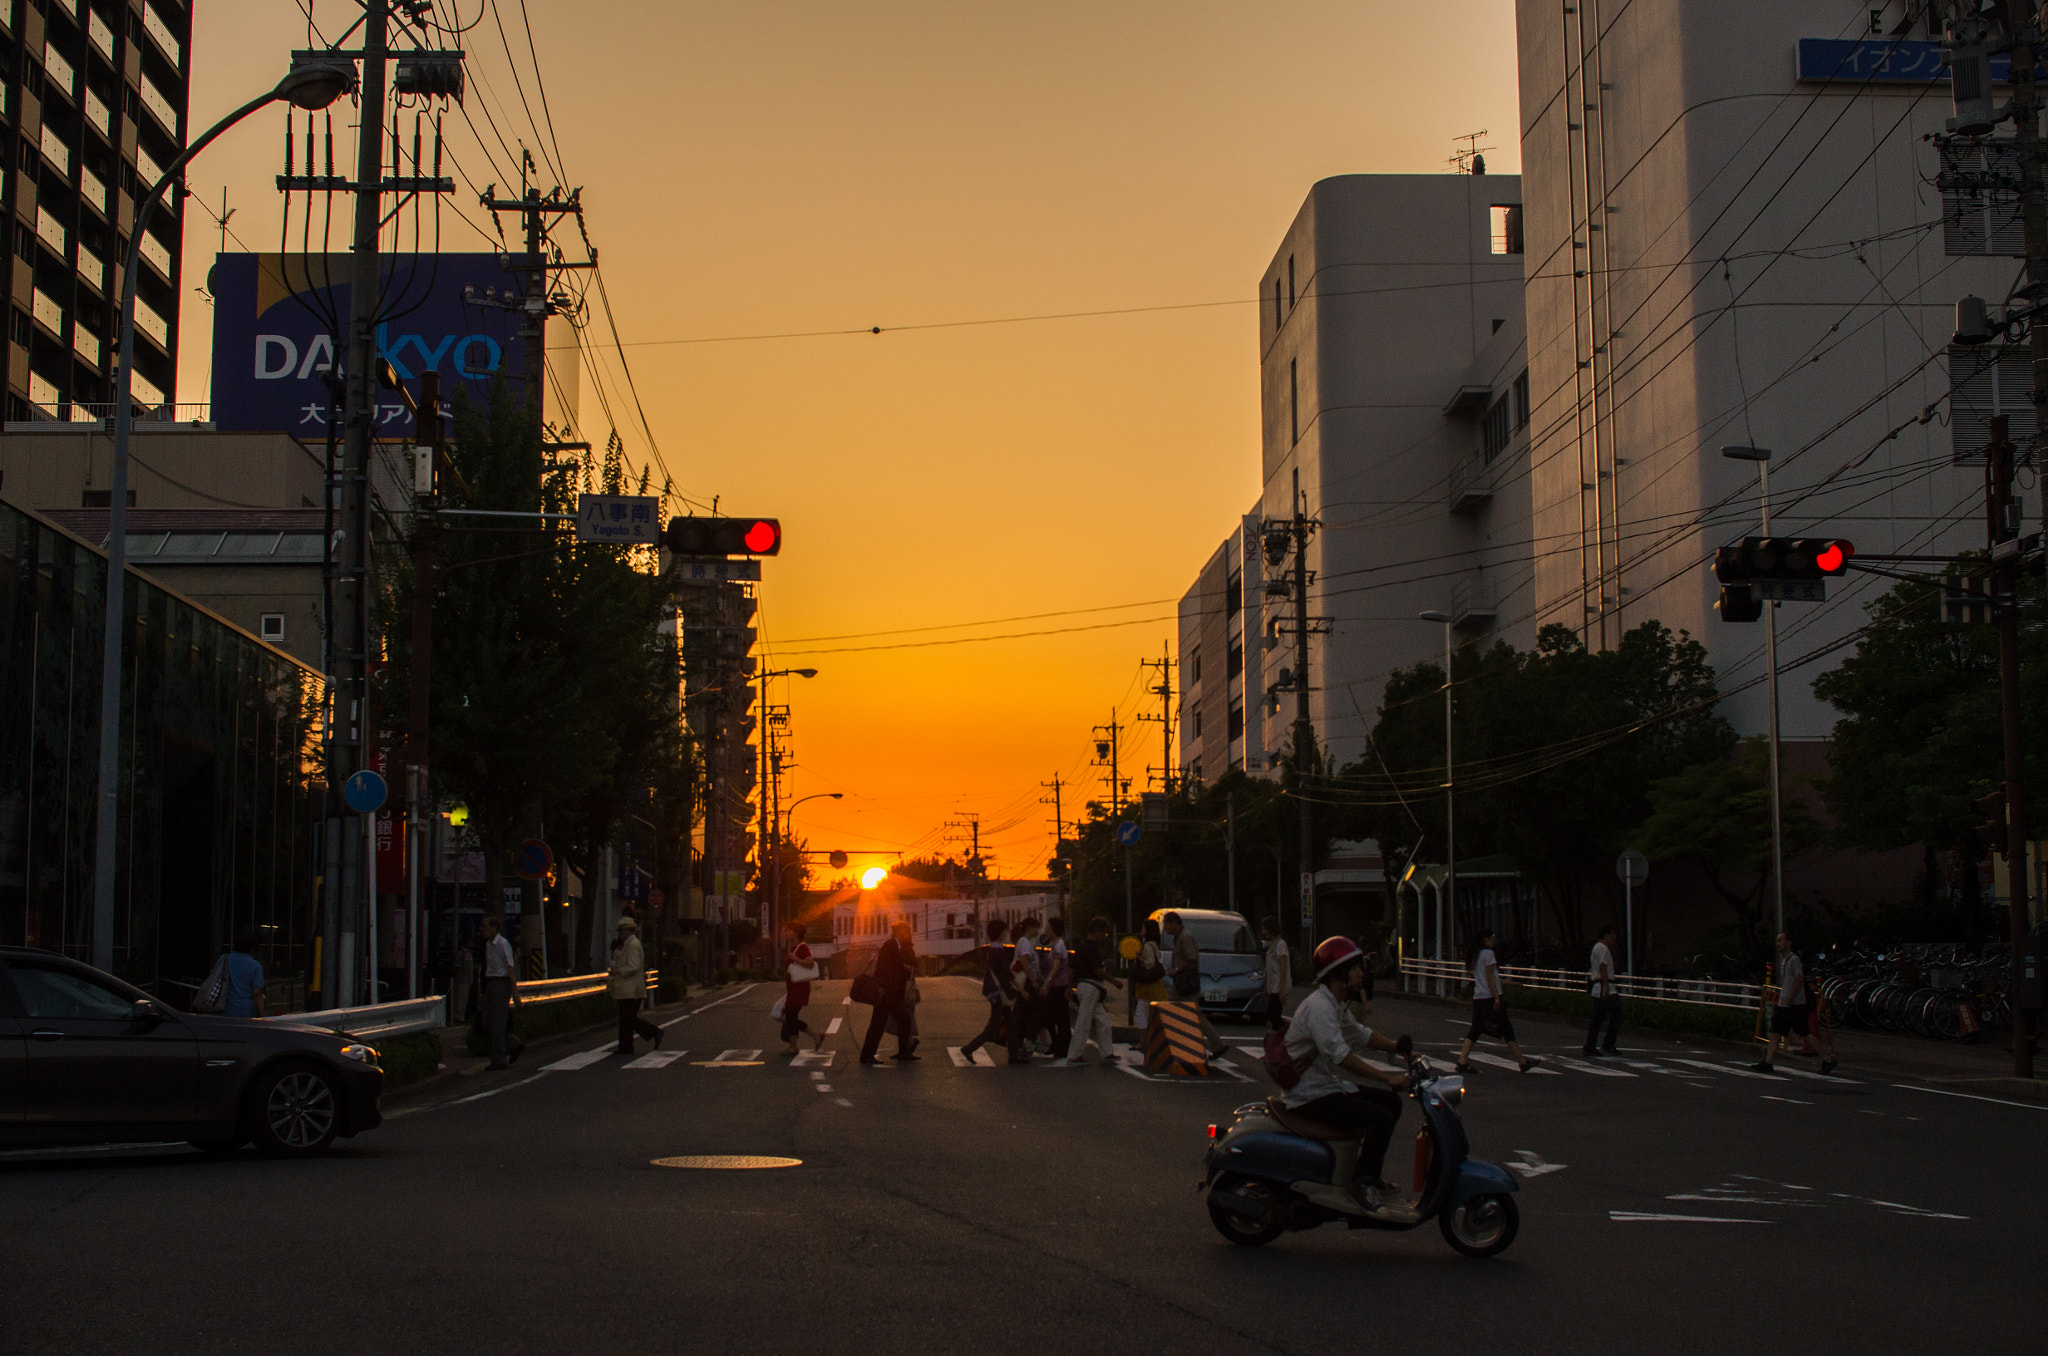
column 351, row 617
column 1059, row 832
column 1304, row 727
column 2002, row 513
column 1108, row 741
column 427, row 419
column 537, row 304
column 1163, row 691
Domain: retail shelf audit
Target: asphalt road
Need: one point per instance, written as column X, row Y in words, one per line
column 1669, row 1206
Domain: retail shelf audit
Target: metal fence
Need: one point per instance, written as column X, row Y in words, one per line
column 569, row 986
column 378, row 1019
column 1451, row 977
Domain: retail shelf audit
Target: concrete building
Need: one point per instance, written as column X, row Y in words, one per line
column 1733, row 237
column 230, row 520
column 1390, row 337
column 95, row 94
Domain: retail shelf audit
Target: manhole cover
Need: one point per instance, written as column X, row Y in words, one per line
column 727, row 1162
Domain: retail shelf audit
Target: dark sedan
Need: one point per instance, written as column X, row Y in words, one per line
column 88, row 1059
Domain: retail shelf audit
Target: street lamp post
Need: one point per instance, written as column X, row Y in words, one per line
column 787, row 830
column 313, row 84
column 1450, row 881
column 1762, row 457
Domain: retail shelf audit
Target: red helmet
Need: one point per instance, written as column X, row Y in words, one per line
column 1334, row 953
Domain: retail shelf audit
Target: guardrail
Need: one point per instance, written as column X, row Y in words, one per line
column 1714, row 993
column 377, row 1019
column 568, row 986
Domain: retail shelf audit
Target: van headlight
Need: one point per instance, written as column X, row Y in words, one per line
column 361, row 1052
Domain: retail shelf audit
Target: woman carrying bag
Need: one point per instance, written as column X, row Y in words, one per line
column 1148, row 978
column 799, row 968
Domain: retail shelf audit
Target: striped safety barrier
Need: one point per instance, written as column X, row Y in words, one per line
column 1173, row 1040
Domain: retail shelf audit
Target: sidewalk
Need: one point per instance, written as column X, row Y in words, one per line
column 458, row 1064
column 1985, row 1068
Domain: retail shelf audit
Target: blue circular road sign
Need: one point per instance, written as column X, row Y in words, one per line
column 365, row 792
column 1127, row 834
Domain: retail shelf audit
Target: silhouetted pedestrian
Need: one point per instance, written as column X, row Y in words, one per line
column 499, row 968
column 893, row 968
column 1490, row 1008
column 1606, row 998
column 1000, row 993
column 629, row 986
column 1279, row 967
column 1092, row 984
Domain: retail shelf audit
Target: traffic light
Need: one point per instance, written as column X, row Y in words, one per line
column 1992, row 830
column 1775, row 561
column 1738, row 604
column 723, row 536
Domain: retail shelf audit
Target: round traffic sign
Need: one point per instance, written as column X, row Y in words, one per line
column 364, row 792
column 1127, row 834
column 1632, row 867
column 655, row 898
column 532, row 859
column 1129, row 948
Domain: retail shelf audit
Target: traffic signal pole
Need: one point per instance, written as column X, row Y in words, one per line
column 2000, row 511
column 1304, row 725
column 1763, row 471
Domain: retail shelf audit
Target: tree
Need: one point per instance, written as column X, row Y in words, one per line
column 1718, row 814
column 1920, row 734
column 1556, row 748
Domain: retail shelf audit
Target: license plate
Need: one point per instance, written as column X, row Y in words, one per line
column 1215, row 995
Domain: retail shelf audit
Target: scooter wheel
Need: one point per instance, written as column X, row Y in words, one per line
column 1481, row 1226
column 1241, row 1229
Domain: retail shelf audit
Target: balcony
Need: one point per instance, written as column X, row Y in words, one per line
column 1472, row 604
column 1471, row 485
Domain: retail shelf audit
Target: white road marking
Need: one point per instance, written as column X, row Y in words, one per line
column 706, row 1008
column 1774, row 1097
column 842, row 1101
column 656, row 1059
column 817, row 1076
column 832, row 1028
column 1638, row 1217
column 1500, row 1063
column 821, row 1059
column 736, row 1057
column 1971, row 1096
column 824, row 1087
column 1735, row 1069
column 1532, row 1164
column 582, row 1059
column 1587, row 1066
column 1787, row 1071
column 1896, row 1208
column 845, row 1002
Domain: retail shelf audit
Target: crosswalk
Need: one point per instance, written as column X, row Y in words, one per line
column 1698, row 1068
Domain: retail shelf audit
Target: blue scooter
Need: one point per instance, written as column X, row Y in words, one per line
column 1252, row 1168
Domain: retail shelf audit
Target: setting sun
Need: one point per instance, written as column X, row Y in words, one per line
column 873, row 876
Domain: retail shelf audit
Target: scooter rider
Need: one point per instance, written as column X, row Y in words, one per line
column 1333, row 1043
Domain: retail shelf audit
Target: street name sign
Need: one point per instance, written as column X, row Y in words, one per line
column 718, row 571
column 618, row 519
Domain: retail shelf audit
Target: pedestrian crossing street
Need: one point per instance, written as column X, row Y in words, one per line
column 1698, row 1068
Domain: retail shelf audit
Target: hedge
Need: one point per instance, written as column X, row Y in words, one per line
column 1692, row 1019
column 531, row 1021
column 408, row 1059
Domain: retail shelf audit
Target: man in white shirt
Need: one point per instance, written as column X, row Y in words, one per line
column 1788, row 1015
column 499, row 967
column 1606, row 999
column 1329, row 1046
column 1279, row 969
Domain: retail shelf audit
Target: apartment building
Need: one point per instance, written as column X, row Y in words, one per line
column 1393, row 405
column 94, row 107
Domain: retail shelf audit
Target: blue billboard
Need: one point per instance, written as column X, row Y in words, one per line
column 278, row 320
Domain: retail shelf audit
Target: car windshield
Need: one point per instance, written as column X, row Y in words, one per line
column 1223, row 934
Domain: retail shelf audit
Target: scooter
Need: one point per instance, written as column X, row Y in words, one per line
column 1251, row 1169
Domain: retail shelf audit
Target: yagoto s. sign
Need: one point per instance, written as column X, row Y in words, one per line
column 279, row 318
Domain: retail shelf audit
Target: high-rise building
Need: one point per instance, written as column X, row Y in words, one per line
column 95, row 95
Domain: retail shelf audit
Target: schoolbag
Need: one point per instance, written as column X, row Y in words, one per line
column 1283, row 1068
column 212, row 995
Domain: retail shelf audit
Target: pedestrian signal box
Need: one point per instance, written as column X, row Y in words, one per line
column 723, row 536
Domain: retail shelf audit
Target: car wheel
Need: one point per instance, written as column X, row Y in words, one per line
column 294, row 1110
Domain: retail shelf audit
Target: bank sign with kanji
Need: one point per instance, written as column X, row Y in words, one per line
column 278, row 320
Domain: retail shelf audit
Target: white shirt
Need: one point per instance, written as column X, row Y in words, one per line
column 1791, row 980
column 1323, row 1025
column 1480, row 987
column 1024, row 964
column 1602, row 988
column 497, row 957
column 1277, row 971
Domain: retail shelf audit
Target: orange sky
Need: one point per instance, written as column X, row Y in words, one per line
column 771, row 167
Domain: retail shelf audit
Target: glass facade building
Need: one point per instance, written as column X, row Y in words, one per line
column 221, row 790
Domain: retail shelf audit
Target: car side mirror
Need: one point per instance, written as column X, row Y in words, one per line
column 145, row 1011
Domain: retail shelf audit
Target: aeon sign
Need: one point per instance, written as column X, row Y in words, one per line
column 274, row 339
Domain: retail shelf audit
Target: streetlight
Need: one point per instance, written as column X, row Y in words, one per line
column 1450, row 882
column 786, row 830
column 1762, row 457
column 314, row 83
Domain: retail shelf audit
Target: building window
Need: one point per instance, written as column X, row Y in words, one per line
column 1522, row 399
column 1293, row 403
column 1236, row 723
column 1233, row 595
column 103, row 499
column 1198, row 722
column 1291, row 294
column 1990, row 380
column 1235, row 664
column 1507, row 227
column 273, row 627
column 1195, row 666
column 54, row 149
column 1279, row 313
column 1497, row 429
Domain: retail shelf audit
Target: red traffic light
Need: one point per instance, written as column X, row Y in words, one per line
column 1833, row 558
column 699, row 538
column 763, row 537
